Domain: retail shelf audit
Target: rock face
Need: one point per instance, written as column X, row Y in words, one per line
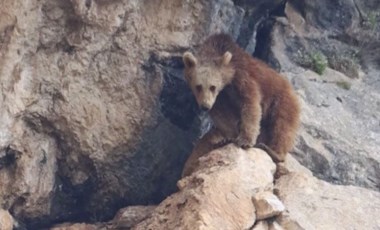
column 315, row 204
column 218, row 194
column 340, row 137
column 95, row 115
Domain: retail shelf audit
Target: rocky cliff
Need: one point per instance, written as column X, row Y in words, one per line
column 95, row 115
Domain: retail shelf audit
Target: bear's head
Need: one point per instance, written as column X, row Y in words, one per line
column 207, row 77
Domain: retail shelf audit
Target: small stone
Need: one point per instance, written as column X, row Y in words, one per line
column 6, row 220
column 275, row 226
column 261, row 225
column 267, row 205
column 130, row 216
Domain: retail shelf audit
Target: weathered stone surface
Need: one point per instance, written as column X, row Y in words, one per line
column 95, row 116
column 218, row 194
column 292, row 165
column 261, row 225
column 287, row 222
column 267, row 205
column 6, row 220
column 327, row 144
column 339, row 139
column 275, row 226
column 315, row 204
column 130, row 216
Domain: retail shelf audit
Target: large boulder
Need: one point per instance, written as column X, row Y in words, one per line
column 315, row 204
column 95, row 115
column 218, row 194
column 232, row 189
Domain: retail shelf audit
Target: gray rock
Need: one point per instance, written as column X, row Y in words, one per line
column 340, row 136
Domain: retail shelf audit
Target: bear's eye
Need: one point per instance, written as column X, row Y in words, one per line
column 212, row 88
column 198, row 88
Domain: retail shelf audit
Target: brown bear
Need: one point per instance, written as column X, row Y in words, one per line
column 248, row 102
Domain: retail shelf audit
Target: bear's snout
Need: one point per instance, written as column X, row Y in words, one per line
column 204, row 108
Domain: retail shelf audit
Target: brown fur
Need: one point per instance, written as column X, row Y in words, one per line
column 253, row 105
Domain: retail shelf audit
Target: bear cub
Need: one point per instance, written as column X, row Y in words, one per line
column 249, row 103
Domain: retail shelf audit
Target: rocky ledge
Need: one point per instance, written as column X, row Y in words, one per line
column 235, row 189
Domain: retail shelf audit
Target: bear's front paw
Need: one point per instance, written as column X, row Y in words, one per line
column 243, row 142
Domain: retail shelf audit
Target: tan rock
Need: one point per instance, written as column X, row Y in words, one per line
column 315, row 204
column 6, row 220
column 261, row 225
column 218, row 193
column 130, row 216
column 292, row 165
column 287, row 223
column 275, row 226
column 267, row 205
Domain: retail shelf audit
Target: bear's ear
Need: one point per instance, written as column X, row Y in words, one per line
column 189, row 60
column 226, row 59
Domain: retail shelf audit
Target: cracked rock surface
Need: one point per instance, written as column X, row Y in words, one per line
column 95, row 115
column 340, row 136
column 218, row 194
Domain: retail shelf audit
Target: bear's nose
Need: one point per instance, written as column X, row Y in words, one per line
column 204, row 108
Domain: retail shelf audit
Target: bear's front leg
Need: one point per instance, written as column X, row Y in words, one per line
column 249, row 125
column 210, row 141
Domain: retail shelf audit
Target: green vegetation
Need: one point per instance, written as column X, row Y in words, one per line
column 343, row 84
column 318, row 62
